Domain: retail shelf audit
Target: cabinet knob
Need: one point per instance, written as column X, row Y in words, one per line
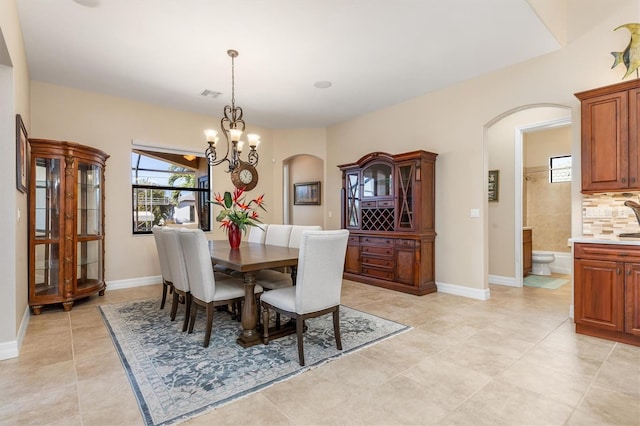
column 629, row 272
column 624, row 180
column 618, row 271
column 633, row 180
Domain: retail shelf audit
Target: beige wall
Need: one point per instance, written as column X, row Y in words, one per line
column 289, row 143
column 305, row 168
column 111, row 124
column 547, row 205
column 451, row 122
column 502, row 139
column 14, row 86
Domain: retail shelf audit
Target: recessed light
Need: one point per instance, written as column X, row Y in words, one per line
column 88, row 3
column 322, row 84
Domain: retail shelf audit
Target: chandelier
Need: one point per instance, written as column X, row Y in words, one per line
column 232, row 126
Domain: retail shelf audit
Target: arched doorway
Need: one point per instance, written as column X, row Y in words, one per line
column 504, row 152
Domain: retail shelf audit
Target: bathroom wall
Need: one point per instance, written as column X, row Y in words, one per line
column 605, row 216
column 546, row 206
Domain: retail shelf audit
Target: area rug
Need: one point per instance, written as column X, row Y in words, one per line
column 175, row 378
column 544, row 282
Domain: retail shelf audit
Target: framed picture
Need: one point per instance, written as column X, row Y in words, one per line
column 21, row 155
column 307, row 193
column 494, row 180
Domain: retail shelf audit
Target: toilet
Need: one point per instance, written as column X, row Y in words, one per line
column 540, row 263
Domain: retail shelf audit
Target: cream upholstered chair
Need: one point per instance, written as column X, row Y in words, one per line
column 270, row 279
column 165, row 270
column 205, row 289
column 257, row 234
column 178, row 273
column 318, row 285
column 278, row 235
column 296, row 233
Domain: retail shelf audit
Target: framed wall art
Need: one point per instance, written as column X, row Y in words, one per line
column 307, row 193
column 21, row 155
column 494, row 180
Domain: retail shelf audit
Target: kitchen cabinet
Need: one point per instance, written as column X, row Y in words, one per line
column 609, row 138
column 66, row 223
column 388, row 206
column 607, row 291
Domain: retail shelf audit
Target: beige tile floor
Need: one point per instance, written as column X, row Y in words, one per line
column 512, row 360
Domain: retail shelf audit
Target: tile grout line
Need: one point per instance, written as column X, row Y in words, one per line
column 592, row 381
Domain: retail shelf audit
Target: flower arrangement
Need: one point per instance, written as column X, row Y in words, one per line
column 236, row 212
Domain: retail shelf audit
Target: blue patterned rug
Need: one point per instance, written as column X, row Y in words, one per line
column 175, row 378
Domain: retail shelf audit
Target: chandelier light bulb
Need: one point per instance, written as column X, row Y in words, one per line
column 254, row 140
column 240, row 145
column 211, row 135
column 235, row 134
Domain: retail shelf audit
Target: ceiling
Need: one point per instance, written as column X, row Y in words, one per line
column 375, row 53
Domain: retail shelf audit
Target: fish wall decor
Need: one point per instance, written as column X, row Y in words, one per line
column 630, row 56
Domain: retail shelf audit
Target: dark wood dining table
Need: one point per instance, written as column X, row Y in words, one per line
column 248, row 259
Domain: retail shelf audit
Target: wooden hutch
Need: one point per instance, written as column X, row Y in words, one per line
column 388, row 206
column 66, row 223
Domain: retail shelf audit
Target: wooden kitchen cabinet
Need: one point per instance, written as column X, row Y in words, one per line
column 388, row 206
column 609, row 138
column 607, row 291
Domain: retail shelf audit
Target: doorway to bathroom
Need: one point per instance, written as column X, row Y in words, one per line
column 506, row 138
column 546, row 201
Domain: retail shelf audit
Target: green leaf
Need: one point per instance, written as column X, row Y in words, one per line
column 227, row 200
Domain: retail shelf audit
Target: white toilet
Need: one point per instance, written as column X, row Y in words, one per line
column 540, row 262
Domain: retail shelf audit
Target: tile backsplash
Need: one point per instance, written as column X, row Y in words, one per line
column 605, row 216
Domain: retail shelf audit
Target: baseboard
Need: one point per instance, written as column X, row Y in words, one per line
column 498, row 280
column 11, row 349
column 562, row 264
column 133, row 282
column 458, row 290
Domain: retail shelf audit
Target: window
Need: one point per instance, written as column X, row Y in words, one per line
column 560, row 169
column 169, row 189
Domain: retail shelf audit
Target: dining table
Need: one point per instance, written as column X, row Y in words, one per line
column 248, row 259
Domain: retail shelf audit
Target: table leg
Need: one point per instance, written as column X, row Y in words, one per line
column 294, row 274
column 249, row 336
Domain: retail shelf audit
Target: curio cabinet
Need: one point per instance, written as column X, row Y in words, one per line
column 66, row 223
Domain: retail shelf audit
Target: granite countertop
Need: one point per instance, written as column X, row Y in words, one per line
column 613, row 240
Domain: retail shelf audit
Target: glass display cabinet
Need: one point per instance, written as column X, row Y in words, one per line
column 388, row 206
column 66, row 223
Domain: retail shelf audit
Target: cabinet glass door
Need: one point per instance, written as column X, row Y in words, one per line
column 89, row 200
column 353, row 200
column 46, row 227
column 377, row 181
column 89, row 223
column 405, row 196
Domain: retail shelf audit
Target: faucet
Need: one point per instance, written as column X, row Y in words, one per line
column 636, row 210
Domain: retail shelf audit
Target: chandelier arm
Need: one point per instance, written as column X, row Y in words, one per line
column 253, row 157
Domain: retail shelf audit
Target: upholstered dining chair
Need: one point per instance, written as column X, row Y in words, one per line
column 278, row 235
column 318, row 285
column 257, row 234
column 296, row 233
column 205, row 289
column 178, row 273
column 165, row 270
